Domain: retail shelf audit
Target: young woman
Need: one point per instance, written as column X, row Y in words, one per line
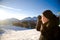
column 47, row 24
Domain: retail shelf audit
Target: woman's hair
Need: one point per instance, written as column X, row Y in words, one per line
column 49, row 15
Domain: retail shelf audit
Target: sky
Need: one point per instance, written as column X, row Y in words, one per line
column 27, row 8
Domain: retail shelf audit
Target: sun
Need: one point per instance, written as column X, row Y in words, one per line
column 3, row 14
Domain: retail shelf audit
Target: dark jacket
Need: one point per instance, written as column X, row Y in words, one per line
column 49, row 30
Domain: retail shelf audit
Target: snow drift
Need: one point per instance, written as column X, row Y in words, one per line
column 11, row 33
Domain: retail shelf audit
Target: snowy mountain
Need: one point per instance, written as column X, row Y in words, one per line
column 29, row 19
column 29, row 22
column 34, row 18
column 11, row 20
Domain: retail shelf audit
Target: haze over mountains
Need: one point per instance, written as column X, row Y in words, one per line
column 28, row 21
column 15, row 19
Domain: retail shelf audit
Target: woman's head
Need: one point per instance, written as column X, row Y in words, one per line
column 48, row 15
column 44, row 19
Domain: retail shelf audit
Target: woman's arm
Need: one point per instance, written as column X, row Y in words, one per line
column 39, row 22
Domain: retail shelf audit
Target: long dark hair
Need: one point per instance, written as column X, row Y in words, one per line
column 52, row 17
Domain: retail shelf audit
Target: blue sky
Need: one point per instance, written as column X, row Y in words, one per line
column 28, row 8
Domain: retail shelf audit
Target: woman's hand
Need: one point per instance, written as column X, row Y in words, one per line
column 39, row 22
column 39, row 17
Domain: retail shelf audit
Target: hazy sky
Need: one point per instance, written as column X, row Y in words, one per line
column 26, row 8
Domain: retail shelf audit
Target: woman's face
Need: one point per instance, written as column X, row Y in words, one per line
column 44, row 19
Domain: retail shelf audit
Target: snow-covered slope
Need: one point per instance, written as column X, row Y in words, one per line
column 9, row 27
column 27, row 34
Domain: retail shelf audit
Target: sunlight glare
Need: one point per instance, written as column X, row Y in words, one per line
column 4, row 14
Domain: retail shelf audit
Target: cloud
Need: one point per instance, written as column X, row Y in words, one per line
column 10, row 8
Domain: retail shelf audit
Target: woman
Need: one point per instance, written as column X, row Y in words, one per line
column 48, row 26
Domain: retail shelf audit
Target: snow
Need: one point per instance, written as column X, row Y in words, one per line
column 10, row 27
column 22, row 34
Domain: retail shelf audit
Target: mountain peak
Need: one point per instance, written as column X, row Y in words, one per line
column 30, row 18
